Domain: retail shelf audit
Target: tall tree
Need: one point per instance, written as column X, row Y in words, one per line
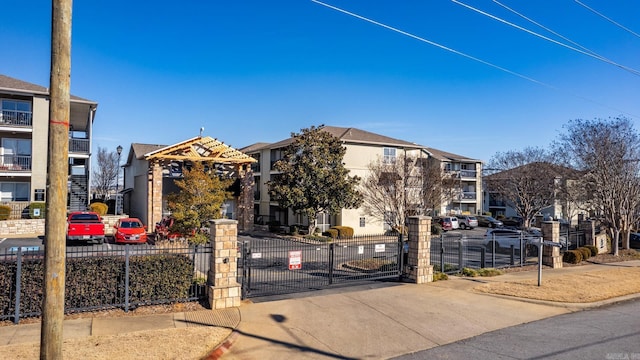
column 526, row 180
column 608, row 151
column 313, row 178
column 105, row 173
column 200, row 198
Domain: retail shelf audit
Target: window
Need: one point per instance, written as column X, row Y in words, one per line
column 362, row 222
column 15, row 112
column 322, row 222
column 14, row 191
column 389, row 155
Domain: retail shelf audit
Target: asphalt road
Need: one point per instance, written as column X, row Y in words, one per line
column 611, row 333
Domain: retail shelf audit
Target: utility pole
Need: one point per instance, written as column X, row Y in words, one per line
column 57, row 166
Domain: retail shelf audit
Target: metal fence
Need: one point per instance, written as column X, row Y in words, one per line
column 22, row 266
column 274, row 266
column 450, row 253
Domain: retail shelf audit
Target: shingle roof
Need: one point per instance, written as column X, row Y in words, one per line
column 15, row 85
column 347, row 135
column 447, row 156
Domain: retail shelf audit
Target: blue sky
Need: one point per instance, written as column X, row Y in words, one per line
column 255, row 71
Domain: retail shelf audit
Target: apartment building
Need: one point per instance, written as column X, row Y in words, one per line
column 24, row 133
column 362, row 148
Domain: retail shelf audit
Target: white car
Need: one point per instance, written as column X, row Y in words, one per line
column 504, row 239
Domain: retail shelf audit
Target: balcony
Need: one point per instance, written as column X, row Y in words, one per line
column 15, row 163
column 468, row 174
column 467, row 195
column 77, row 145
column 16, row 118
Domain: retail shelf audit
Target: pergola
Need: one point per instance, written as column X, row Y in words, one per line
column 206, row 149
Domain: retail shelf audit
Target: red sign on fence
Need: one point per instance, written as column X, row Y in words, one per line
column 295, row 260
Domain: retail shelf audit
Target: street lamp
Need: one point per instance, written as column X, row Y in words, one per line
column 117, row 209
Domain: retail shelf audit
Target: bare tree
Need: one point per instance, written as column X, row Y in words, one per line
column 526, row 180
column 438, row 186
column 608, row 151
column 105, row 172
column 391, row 190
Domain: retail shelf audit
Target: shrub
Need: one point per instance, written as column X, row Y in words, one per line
column 37, row 205
column 332, row 233
column 99, row 207
column 344, row 231
column 486, row 272
column 469, row 272
column 572, row 256
column 586, row 253
column 594, row 249
column 5, row 212
column 437, row 276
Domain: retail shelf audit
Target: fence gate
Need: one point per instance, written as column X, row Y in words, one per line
column 273, row 266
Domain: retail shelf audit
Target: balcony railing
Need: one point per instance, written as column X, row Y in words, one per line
column 468, row 174
column 16, row 118
column 467, row 195
column 15, row 163
column 79, row 145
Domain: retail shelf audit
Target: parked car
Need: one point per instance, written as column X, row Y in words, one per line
column 488, row 221
column 447, row 222
column 513, row 221
column 467, row 221
column 504, row 239
column 130, row 231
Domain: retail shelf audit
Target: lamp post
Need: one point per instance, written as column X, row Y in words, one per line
column 117, row 209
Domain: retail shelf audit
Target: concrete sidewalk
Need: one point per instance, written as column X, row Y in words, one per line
column 377, row 321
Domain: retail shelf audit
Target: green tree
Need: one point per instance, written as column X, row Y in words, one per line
column 199, row 200
column 313, row 178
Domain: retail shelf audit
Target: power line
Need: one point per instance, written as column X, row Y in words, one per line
column 546, row 28
column 608, row 19
column 590, row 54
column 462, row 54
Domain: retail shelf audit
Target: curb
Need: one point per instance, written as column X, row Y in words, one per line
column 223, row 348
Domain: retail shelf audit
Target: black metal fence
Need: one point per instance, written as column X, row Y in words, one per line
column 274, row 266
column 450, row 253
column 22, row 265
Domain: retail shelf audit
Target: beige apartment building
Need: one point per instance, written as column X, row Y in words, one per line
column 362, row 148
column 24, row 132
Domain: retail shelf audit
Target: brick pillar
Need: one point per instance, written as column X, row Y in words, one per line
column 551, row 254
column 418, row 268
column 154, row 195
column 224, row 290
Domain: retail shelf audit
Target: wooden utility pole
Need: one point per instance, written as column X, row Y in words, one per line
column 57, row 170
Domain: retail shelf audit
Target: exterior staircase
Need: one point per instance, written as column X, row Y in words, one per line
column 78, row 193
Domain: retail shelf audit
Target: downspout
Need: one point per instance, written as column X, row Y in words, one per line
column 92, row 114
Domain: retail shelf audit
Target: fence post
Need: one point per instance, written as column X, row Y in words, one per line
column 460, row 259
column 126, row 278
column 331, row 253
column 483, row 257
column 512, row 260
column 16, row 318
column 224, row 290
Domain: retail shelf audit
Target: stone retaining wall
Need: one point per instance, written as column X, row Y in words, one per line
column 35, row 227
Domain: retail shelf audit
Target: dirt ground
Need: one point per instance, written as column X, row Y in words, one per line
column 195, row 343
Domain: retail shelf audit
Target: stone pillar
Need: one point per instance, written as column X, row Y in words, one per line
column 551, row 254
column 154, row 195
column 589, row 229
column 418, row 268
column 224, row 290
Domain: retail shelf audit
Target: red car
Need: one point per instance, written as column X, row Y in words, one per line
column 130, row 231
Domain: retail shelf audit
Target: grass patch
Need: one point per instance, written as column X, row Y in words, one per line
column 437, row 276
